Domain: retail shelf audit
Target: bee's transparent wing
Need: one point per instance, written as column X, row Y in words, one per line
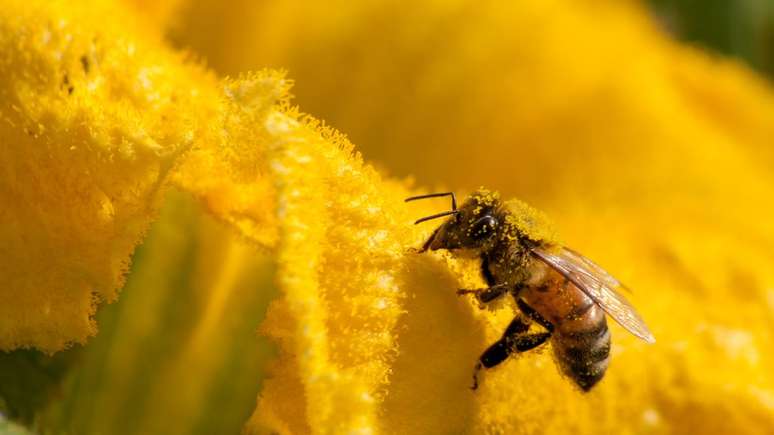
column 597, row 270
column 599, row 285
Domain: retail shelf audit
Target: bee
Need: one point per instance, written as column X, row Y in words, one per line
column 554, row 286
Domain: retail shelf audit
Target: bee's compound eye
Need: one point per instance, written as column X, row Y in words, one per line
column 483, row 227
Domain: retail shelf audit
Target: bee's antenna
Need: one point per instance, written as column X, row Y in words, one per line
column 435, row 195
column 446, row 213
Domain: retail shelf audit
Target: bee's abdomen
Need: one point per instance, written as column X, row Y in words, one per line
column 582, row 347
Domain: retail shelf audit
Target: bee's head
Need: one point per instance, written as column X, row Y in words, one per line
column 473, row 225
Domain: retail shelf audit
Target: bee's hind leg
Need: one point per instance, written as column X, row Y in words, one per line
column 534, row 315
column 514, row 339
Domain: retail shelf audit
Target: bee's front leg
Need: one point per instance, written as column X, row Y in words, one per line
column 485, row 295
column 426, row 245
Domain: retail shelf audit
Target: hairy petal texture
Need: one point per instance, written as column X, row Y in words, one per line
column 92, row 120
column 229, row 171
column 340, row 255
column 218, row 143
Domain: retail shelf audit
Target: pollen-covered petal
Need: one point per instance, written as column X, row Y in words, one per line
column 93, row 119
column 342, row 246
column 229, row 172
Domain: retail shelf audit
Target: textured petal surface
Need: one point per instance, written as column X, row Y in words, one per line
column 90, row 125
column 229, row 171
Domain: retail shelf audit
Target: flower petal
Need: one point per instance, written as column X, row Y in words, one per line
column 91, row 125
column 229, row 169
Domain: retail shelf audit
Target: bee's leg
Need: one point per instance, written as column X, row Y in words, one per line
column 490, row 279
column 534, row 315
column 514, row 339
column 426, row 245
column 485, row 295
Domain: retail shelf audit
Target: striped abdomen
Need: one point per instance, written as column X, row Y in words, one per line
column 581, row 339
column 582, row 348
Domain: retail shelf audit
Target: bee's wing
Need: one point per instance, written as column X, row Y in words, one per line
column 599, row 285
column 597, row 270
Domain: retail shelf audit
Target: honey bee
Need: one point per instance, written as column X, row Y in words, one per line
column 554, row 286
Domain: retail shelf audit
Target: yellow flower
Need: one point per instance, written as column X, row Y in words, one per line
column 648, row 166
column 91, row 126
